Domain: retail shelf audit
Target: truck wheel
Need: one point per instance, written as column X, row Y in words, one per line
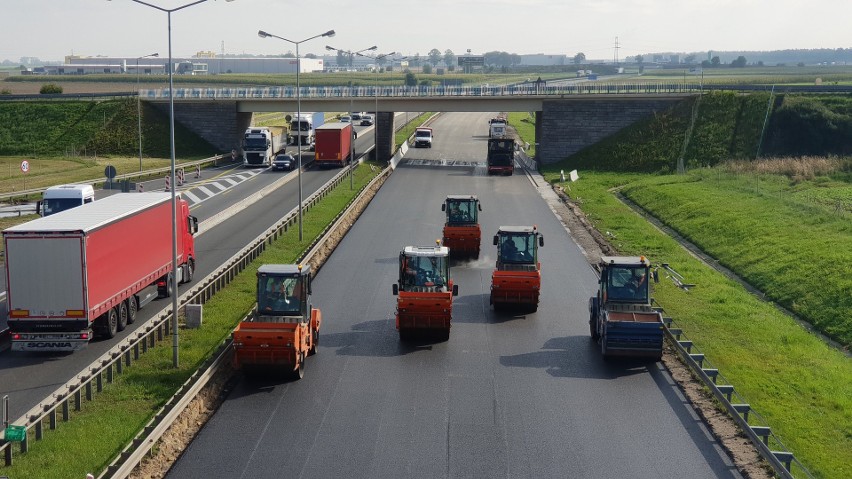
column 167, row 290
column 299, row 373
column 190, row 271
column 122, row 316
column 132, row 308
column 111, row 324
column 593, row 314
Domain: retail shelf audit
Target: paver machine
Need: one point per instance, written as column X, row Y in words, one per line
column 461, row 228
column 517, row 278
column 621, row 318
column 284, row 327
column 424, row 292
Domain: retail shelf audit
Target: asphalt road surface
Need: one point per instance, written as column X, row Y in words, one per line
column 508, row 395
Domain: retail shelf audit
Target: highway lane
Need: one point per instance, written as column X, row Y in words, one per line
column 508, row 395
column 30, row 377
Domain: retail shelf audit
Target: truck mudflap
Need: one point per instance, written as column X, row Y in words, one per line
column 633, row 339
column 50, row 342
column 513, row 287
column 462, row 240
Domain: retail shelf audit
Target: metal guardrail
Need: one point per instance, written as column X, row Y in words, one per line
column 287, row 92
column 126, row 176
column 770, row 447
column 91, row 379
column 585, row 88
column 69, row 96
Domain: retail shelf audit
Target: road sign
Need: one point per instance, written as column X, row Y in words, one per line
column 168, row 182
column 180, row 177
column 198, row 171
column 25, row 166
column 140, row 187
column 110, row 172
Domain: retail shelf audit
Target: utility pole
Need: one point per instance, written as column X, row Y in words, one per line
column 615, row 51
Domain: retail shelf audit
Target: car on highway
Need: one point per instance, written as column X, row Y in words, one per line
column 356, row 116
column 366, row 120
column 345, row 119
column 284, row 162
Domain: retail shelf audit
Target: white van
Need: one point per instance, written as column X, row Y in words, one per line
column 64, row 197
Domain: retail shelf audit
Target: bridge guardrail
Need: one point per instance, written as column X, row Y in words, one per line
column 398, row 91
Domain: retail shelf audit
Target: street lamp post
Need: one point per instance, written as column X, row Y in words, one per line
column 174, row 289
column 376, row 58
column 139, row 105
column 352, row 140
column 329, row 33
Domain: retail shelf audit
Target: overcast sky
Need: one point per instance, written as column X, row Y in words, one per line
column 51, row 29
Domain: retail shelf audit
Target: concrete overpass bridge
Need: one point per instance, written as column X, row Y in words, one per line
column 568, row 117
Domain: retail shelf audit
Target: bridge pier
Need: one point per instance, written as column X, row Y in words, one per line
column 385, row 135
column 564, row 127
column 220, row 123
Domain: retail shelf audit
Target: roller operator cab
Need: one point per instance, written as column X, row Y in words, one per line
column 424, row 292
column 621, row 318
column 284, row 327
column 462, row 234
column 517, row 277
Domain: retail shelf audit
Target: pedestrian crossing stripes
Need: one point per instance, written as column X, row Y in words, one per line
column 196, row 193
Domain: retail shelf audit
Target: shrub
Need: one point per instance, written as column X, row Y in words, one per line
column 5, row 92
column 50, row 88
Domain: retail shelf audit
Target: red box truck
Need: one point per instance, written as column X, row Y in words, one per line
column 88, row 269
column 333, row 144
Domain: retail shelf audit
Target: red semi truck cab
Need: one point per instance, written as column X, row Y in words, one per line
column 87, row 270
column 333, row 146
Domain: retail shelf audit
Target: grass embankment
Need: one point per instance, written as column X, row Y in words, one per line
column 67, row 142
column 780, row 232
column 405, row 132
column 792, row 378
column 98, row 433
column 524, row 125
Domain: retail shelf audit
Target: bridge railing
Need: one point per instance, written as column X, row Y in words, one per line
column 288, row 92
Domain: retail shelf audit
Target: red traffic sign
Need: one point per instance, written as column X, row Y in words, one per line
column 25, row 166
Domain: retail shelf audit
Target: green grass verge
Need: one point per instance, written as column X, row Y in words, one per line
column 791, row 377
column 798, row 253
column 405, row 132
column 105, row 425
column 524, row 124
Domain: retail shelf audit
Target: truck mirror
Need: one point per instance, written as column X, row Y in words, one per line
column 656, row 275
column 495, row 240
column 479, row 206
column 38, row 207
column 395, row 289
column 541, row 240
column 444, row 207
column 455, row 290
